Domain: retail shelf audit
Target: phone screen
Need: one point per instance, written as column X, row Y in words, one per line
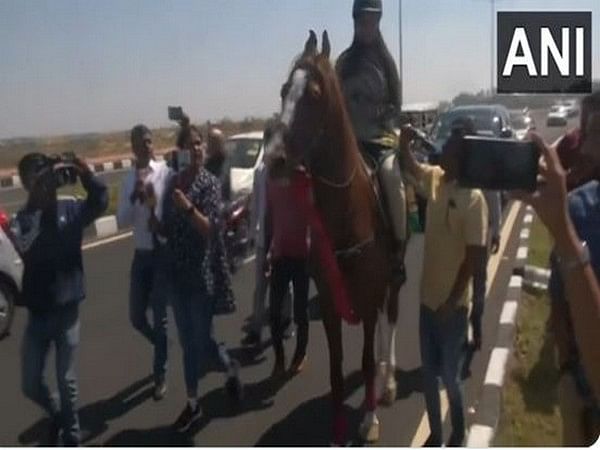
column 184, row 160
column 499, row 164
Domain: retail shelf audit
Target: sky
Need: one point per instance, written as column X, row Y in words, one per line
column 71, row 66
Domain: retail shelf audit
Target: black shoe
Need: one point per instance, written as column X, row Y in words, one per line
column 54, row 432
column 456, row 439
column 186, row 418
column 252, row 339
column 432, row 442
column 233, row 385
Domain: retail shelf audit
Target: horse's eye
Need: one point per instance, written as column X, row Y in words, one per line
column 285, row 89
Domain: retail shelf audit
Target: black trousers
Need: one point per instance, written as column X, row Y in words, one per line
column 286, row 270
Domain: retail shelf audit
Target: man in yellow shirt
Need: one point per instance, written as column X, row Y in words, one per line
column 455, row 239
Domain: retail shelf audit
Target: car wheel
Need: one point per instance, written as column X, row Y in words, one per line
column 7, row 308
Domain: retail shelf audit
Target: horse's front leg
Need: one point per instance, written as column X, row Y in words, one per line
column 390, row 387
column 333, row 330
column 369, row 428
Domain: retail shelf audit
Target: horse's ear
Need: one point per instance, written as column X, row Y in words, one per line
column 325, row 45
column 310, row 48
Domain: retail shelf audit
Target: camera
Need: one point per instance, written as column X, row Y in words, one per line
column 63, row 169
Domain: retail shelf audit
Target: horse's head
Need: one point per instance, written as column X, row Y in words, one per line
column 306, row 99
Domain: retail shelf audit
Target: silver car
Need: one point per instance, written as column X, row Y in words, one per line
column 11, row 274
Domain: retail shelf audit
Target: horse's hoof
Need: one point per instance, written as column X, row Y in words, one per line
column 369, row 428
column 389, row 396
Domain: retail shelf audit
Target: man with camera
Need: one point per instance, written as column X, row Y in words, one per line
column 455, row 245
column 140, row 206
column 48, row 233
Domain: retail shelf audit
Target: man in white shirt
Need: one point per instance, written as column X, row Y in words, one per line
column 140, row 205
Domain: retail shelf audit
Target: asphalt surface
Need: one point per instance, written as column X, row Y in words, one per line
column 114, row 368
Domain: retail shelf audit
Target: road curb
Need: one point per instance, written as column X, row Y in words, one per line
column 482, row 431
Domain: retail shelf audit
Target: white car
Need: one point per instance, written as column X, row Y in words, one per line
column 572, row 107
column 245, row 154
column 557, row 116
column 11, row 275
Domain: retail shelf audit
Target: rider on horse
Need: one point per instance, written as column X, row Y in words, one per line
column 371, row 87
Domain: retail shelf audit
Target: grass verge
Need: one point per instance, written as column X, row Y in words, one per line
column 530, row 414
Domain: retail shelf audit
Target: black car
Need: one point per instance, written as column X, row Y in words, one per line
column 489, row 120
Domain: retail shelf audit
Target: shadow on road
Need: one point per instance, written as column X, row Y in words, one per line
column 94, row 417
column 257, row 396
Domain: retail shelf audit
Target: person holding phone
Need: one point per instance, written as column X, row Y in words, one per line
column 48, row 232
column 577, row 234
column 455, row 245
column 140, row 206
column 191, row 224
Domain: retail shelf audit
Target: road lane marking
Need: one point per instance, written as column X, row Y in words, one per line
column 497, row 367
column 480, row 436
column 509, row 312
column 515, row 282
column 423, row 430
column 525, row 233
column 109, row 240
column 522, row 253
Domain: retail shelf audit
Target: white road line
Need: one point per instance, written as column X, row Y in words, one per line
column 248, row 260
column 423, row 429
column 109, row 240
column 509, row 312
column 480, row 436
column 528, row 219
column 525, row 232
column 522, row 253
column 497, row 366
column 515, row 282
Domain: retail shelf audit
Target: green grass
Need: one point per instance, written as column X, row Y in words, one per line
column 530, row 415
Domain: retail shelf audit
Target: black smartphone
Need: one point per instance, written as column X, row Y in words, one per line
column 498, row 164
column 175, row 113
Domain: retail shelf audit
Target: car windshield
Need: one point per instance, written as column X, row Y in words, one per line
column 243, row 153
column 485, row 122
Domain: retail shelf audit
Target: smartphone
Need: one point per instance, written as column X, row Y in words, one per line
column 498, row 164
column 175, row 113
column 181, row 160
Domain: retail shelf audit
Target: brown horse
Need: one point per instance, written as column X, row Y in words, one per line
column 314, row 129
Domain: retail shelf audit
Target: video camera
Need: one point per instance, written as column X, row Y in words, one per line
column 63, row 169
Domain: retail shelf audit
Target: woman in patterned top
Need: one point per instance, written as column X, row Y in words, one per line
column 192, row 227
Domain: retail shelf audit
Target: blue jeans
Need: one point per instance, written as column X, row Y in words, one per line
column 193, row 310
column 61, row 328
column 442, row 352
column 148, row 287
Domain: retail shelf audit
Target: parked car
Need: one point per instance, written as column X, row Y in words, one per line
column 571, row 106
column 521, row 122
column 490, row 120
column 11, row 274
column 245, row 154
column 557, row 117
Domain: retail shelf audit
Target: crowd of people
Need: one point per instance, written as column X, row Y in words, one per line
column 180, row 256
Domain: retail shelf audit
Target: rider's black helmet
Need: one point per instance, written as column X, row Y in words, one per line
column 366, row 6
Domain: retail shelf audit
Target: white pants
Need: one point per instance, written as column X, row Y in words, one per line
column 390, row 178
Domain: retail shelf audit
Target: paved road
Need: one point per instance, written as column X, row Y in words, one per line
column 114, row 368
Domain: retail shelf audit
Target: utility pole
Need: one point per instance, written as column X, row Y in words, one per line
column 400, row 51
column 492, row 49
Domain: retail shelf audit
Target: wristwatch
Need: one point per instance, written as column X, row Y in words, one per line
column 581, row 260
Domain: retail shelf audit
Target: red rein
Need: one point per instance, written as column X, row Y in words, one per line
column 321, row 243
